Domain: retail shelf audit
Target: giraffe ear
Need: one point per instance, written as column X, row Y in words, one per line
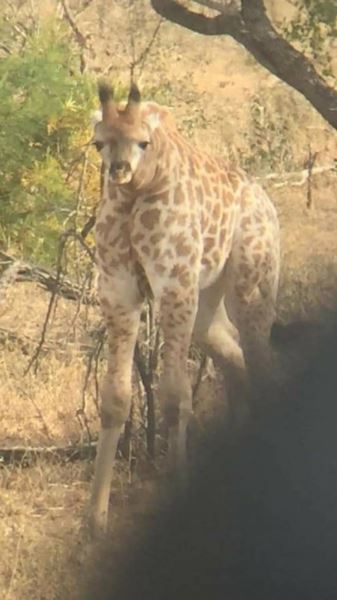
column 152, row 120
column 96, row 117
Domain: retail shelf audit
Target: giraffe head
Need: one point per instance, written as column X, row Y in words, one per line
column 123, row 135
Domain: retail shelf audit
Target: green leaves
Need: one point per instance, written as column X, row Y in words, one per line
column 313, row 29
column 45, row 107
column 324, row 11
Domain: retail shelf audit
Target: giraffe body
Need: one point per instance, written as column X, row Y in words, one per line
column 201, row 239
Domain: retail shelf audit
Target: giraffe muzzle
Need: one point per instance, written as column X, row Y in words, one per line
column 120, row 172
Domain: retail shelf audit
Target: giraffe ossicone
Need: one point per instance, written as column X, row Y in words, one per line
column 206, row 240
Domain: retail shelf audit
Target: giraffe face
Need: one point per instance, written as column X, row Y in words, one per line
column 121, row 136
column 122, row 151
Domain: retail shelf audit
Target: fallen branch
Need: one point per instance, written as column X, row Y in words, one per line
column 301, row 176
column 25, row 342
column 27, row 456
column 49, row 281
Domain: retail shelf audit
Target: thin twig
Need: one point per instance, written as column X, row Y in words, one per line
column 5, row 49
column 310, row 165
column 201, row 371
column 86, row 283
column 84, row 6
column 99, row 348
column 39, row 412
column 141, row 59
column 146, row 51
column 77, row 236
column 147, row 381
column 15, row 565
column 80, row 187
column 87, row 227
column 35, row 357
column 81, row 40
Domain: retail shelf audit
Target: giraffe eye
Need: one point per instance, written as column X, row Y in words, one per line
column 143, row 145
column 98, row 145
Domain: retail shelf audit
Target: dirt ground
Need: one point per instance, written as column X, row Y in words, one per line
column 233, row 107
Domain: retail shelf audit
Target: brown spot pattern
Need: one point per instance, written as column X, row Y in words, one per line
column 208, row 243
column 206, row 186
column 179, row 197
column 217, row 211
column 145, row 250
column 181, row 273
column 149, row 218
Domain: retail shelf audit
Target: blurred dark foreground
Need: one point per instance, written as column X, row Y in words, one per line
column 259, row 519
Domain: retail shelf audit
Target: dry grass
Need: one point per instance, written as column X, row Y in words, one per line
column 41, row 531
column 42, row 409
column 309, row 263
column 44, row 544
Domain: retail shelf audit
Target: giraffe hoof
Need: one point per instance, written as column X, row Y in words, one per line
column 97, row 525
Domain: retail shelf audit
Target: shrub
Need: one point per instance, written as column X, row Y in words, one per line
column 45, row 107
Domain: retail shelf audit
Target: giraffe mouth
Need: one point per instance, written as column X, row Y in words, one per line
column 120, row 178
column 120, row 173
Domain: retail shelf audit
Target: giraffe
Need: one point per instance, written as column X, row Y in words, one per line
column 198, row 236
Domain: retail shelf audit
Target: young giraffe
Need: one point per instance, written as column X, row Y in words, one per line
column 196, row 231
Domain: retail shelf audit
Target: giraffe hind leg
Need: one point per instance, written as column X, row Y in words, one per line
column 251, row 301
column 219, row 338
column 178, row 309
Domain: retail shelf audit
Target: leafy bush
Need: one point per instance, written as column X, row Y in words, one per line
column 45, row 107
column 314, row 29
column 270, row 134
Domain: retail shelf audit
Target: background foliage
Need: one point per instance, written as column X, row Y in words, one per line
column 313, row 29
column 45, row 107
column 224, row 102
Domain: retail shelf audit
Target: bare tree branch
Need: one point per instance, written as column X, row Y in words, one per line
column 141, row 59
column 288, row 63
column 251, row 27
column 201, row 371
column 147, row 380
column 81, row 40
column 84, row 6
column 5, row 49
column 171, row 10
column 228, row 6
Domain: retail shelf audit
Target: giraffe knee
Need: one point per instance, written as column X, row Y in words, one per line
column 115, row 402
column 176, row 400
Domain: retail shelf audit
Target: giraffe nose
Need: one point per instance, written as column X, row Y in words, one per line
column 119, row 167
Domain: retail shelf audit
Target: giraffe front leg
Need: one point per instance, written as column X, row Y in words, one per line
column 115, row 392
column 178, row 310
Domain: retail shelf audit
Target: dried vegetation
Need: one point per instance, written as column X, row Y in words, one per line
column 232, row 107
